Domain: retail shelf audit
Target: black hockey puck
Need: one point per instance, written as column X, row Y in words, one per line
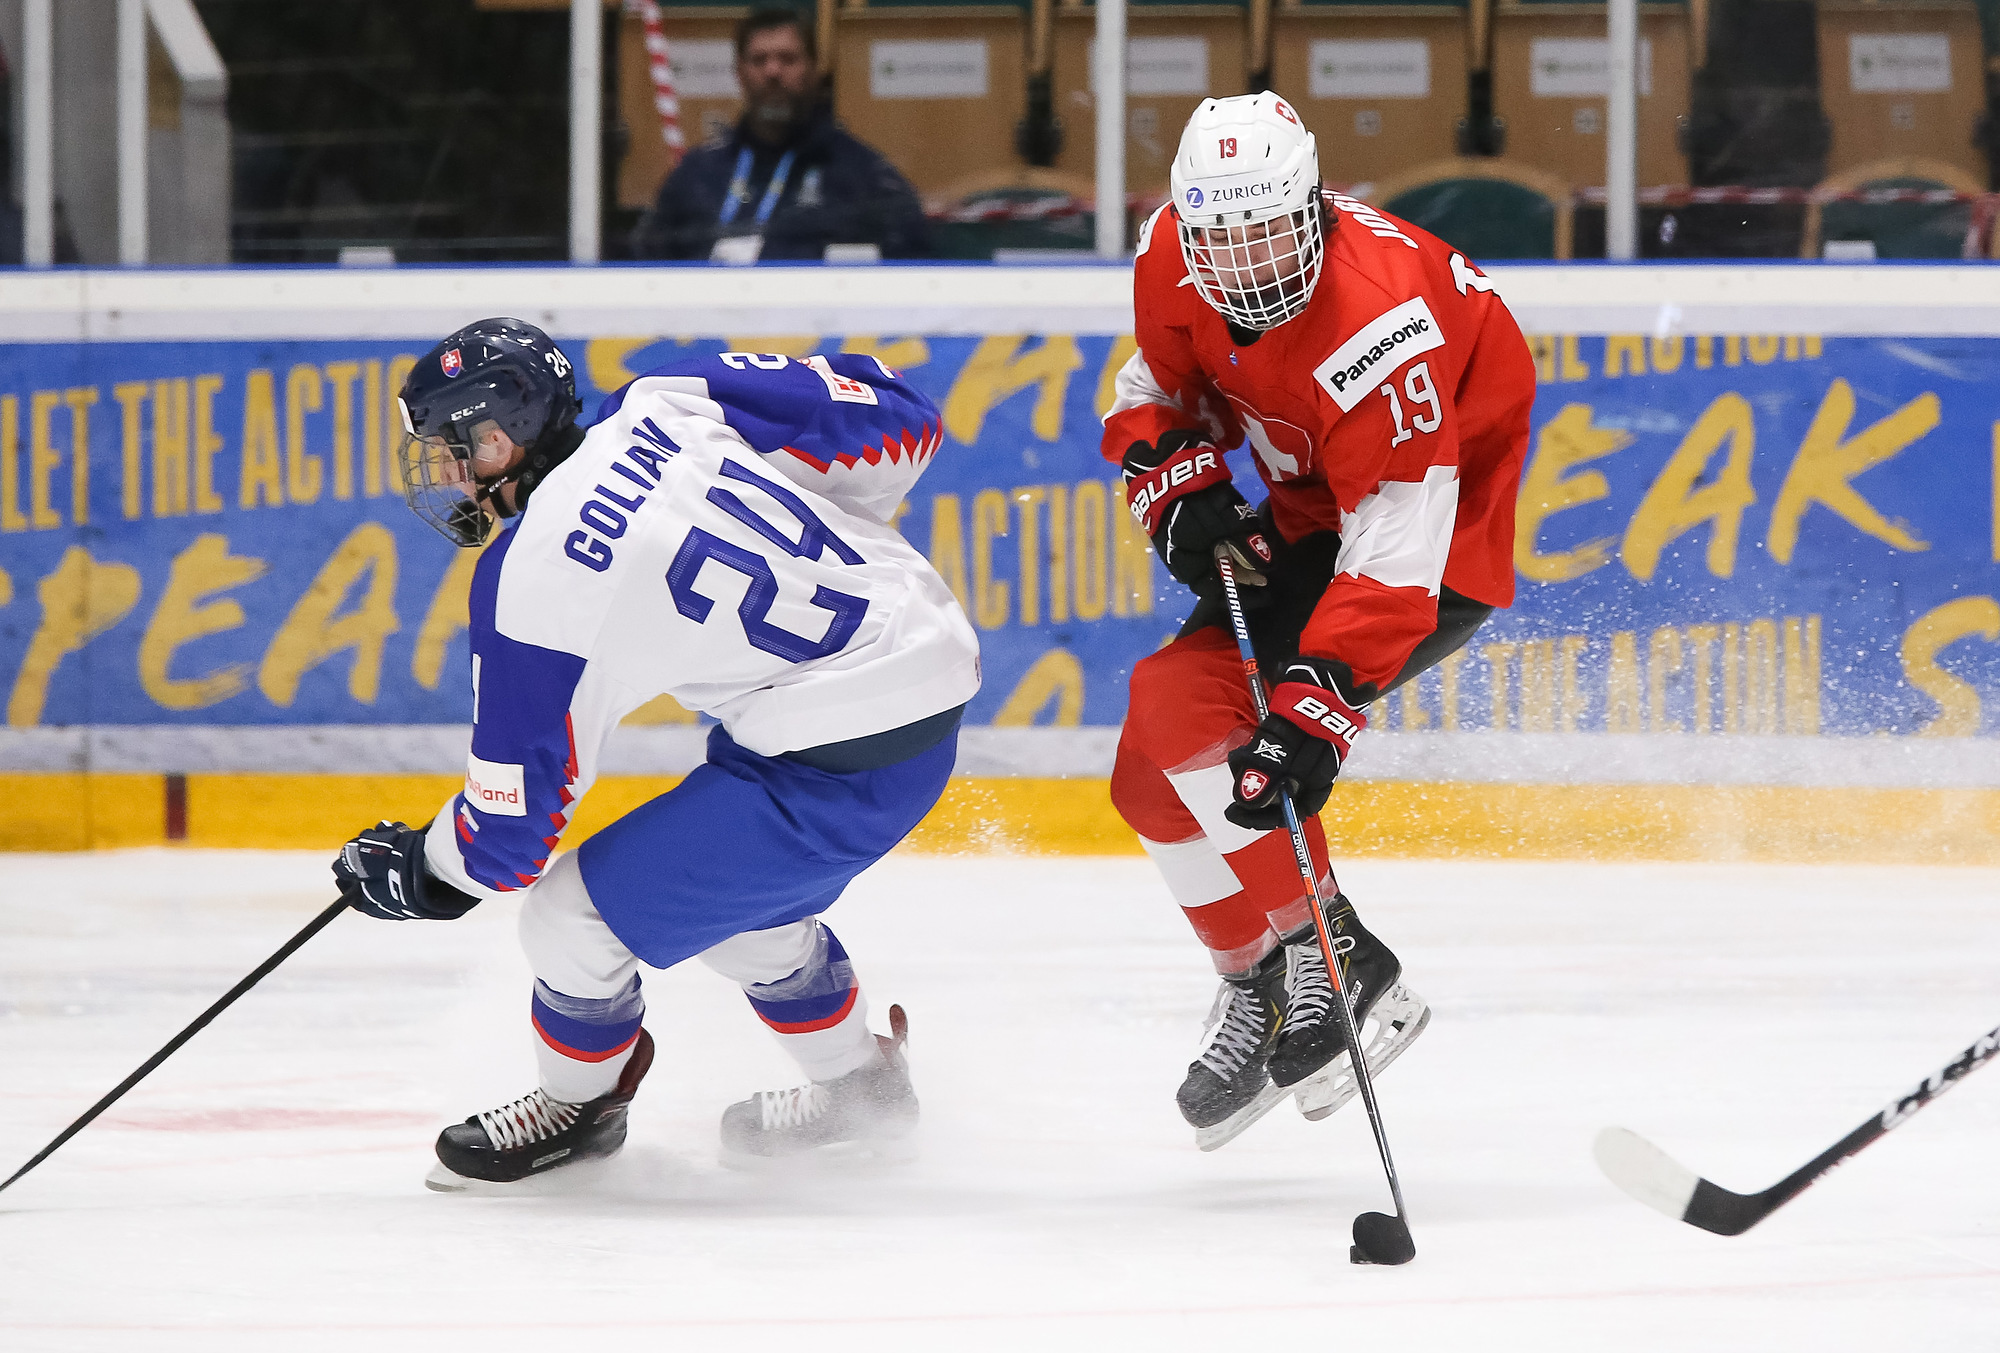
column 1381, row 1239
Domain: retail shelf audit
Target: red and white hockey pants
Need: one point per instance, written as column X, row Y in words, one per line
column 1241, row 889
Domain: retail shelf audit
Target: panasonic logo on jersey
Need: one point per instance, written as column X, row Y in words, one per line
column 1357, row 366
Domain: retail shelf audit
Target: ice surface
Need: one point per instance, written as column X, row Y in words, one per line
column 264, row 1189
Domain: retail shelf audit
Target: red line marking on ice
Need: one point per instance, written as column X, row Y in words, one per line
column 1019, row 1317
column 215, row 1087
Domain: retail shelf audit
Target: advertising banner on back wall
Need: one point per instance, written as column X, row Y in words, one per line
column 1776, row 534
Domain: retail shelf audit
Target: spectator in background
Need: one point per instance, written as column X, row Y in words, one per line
column 789, row 180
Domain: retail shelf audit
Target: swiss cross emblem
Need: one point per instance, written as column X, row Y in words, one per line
column 1253, row 783
column 451, row 363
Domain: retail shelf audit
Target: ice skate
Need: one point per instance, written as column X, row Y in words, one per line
column 870, row 1111
column 1311, row 1056
column 536, row 1134
column 1228, row 1087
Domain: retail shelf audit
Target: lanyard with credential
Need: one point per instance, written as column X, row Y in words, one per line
column 739, row 188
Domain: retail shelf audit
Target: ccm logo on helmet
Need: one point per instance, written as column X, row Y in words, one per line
column 1317, row 711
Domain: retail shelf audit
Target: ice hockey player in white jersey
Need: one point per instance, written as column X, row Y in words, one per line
column 722, row 535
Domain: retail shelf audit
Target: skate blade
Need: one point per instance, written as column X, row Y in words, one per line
column 1234, row 1126
column 565, row 1179
column 1397, row 1020
column 862, row 1154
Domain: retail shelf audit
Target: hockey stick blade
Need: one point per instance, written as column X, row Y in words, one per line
column 1665, row 1185
column 1671, row 1188
column 1381, row 1239
column 1646, row 1172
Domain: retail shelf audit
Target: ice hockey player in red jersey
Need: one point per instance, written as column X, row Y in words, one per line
column 1383, row 390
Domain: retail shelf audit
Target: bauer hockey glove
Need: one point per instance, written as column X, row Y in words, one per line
column 1299, row 748
column 381, row 874
column 1180, row 493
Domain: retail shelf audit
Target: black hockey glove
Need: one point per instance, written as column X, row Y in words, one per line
column 1299, row 747
column 1180, row 493
column 381, row 874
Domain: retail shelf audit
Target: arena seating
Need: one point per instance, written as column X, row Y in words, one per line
column 1549, row 86
column 972, row 55
column 1490, row 208
column 1180, row 55
column 1902, row 229
column 1382, row 86
column 1013, row 209
column 1899, row 79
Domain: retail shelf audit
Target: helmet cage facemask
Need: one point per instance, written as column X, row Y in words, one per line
column 449, row 499
column 1258, row 274
column 440, row 485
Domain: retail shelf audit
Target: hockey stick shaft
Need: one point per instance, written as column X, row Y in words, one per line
column 1877, row 1127
column 1226, row 567
column 262, row 970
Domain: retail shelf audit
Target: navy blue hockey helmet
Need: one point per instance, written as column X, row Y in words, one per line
column 468, row 403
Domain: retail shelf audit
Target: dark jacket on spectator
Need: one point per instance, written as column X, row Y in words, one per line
column 839, row 191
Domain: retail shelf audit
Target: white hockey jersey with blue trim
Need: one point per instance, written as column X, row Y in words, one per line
column 721, row 536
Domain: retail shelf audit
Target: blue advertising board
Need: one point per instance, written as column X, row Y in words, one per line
column 1776, row 534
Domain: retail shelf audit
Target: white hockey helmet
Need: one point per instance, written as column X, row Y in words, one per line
column 1246, row 188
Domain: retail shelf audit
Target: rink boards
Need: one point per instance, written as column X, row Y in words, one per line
column 1758, row 549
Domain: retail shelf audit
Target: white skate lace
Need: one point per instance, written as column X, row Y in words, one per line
column 796, row 1107
column 1237, row 1033
column 529, row 1119
column 1309, row 991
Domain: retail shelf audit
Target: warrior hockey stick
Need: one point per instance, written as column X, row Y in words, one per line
column 263, row 970
column 1659, row 1181
column 1378, row 1239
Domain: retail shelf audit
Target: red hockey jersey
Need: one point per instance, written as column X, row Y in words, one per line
column 1394, row 410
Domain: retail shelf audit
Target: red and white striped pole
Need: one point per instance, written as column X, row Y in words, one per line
column 666, row 101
